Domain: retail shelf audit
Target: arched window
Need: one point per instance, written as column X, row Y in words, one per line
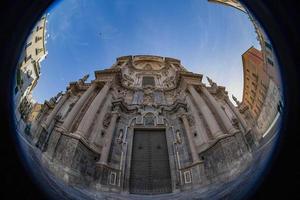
column 148, row 80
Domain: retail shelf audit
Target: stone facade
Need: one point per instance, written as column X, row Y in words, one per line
column 87, row 133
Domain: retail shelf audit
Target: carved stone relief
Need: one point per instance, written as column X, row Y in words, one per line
column 106, row 120
column 149, row 119
column 148, row 100
column 191, row 120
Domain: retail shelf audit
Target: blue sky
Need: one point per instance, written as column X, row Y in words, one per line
column 88, row 35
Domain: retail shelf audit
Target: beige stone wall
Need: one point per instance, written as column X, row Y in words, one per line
column 28, row 68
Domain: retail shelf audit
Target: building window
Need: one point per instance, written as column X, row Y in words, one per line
column 254, row 85
column 268, row 45
column 27, row 58
column 270, row 61
column 38, row 28
column 38, row 50
column 148, row 80
column 37, row 38
column 27, row 45
column 255, row 76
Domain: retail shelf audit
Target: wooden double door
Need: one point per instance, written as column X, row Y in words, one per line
column 150, row 169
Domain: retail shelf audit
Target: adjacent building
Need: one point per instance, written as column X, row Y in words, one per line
column 256, row 81
column 262, row 94
column 268, row 54
column 28, row 71
column 144, row 126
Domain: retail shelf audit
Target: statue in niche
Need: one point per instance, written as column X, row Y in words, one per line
column 106, row 120
column 178, row 137
column 120, row 137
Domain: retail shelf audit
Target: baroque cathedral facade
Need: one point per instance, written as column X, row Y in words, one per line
column 144, row 126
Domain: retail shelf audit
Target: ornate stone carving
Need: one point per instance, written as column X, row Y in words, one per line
column 106, row 120
column 235, row 123
column 128, row 78
column 149, row 119
column 148, row 100
column 191, row 120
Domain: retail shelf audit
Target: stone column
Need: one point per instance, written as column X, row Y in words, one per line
column 99, row 120
column 195, row 156
column 78, row 105
column 110, row 133
column 238, row 115
column 206, row 112
column 216, row 106
column 87, row 120
column 53, row 113
column 198, row 122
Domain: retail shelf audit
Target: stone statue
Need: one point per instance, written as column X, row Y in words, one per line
column 120, row 137
column 236, row 101
column 58, row 95
column 85, row 78
column 54, row 99
column 178, row 137
column 211, row 83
